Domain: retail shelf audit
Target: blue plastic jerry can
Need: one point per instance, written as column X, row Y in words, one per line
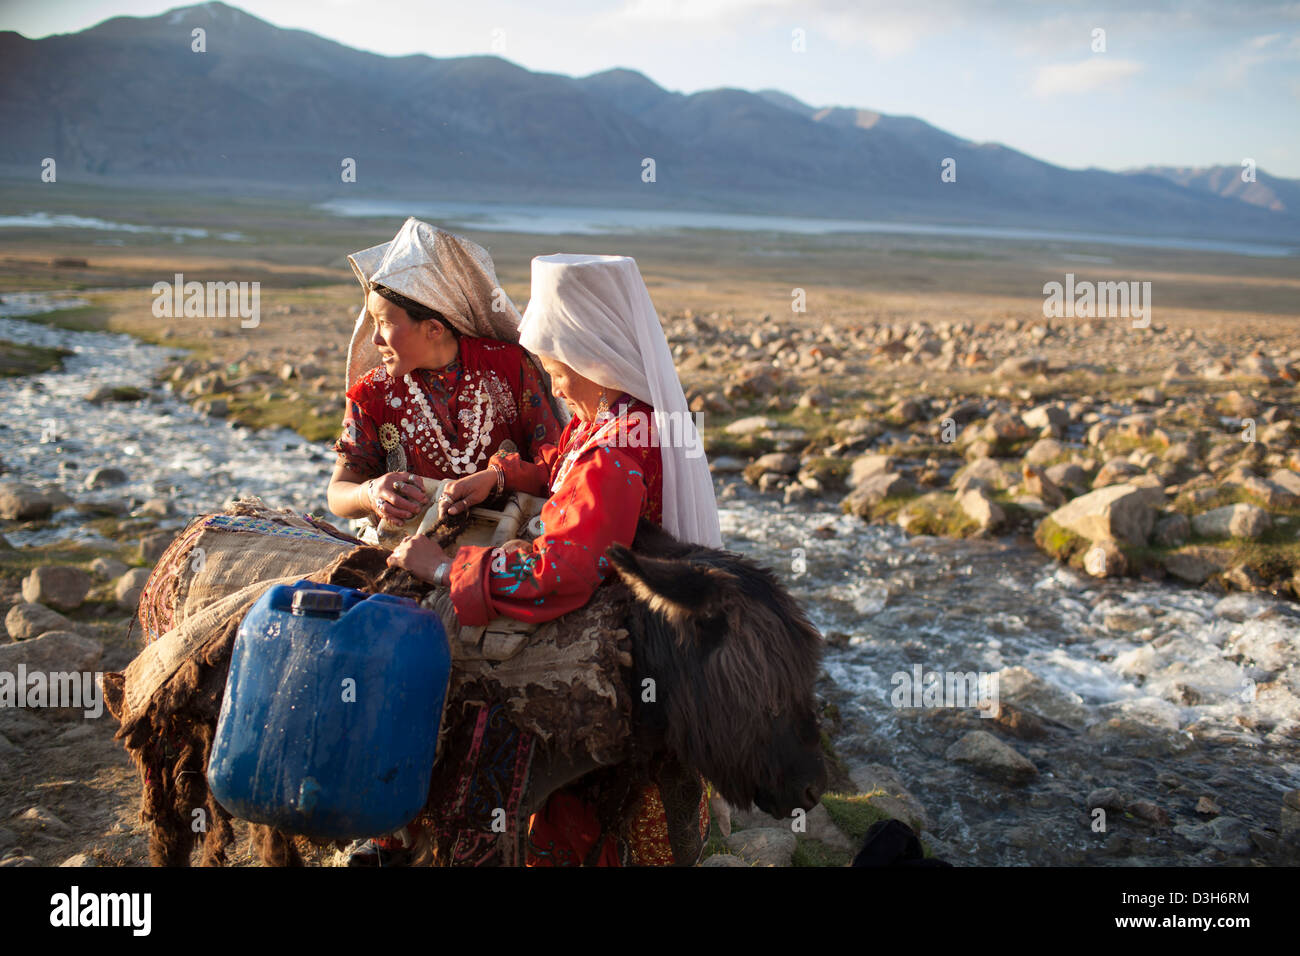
column 329, row 724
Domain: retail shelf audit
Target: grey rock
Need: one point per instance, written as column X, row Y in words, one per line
column 1172, row 530
column 1043, row 451
column 868, row 466
column 127, row 588
column 1227, row 834
column 1108, row 798
column 39, row 819
column 104, row 477
column 59, row 586
column 888, row 794
column 1025, row 689
column 752, row 425
column 1121, row 512
column 1232, row 521
column 980, row 508
column 53, row 651
column 20, row 501
column 862, row 499
column 25, row 621
column 764, row 846
column 1197, row 563
column 726, row 465
column 724, row 859
column 985, row 753
column 79, row 860
column 108, row 568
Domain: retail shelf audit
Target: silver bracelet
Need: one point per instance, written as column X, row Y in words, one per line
column 442, row 574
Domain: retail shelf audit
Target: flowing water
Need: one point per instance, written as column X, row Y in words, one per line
column 1167, row 694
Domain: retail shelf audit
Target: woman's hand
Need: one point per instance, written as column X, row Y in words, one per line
column 396, row 497
column 463, row 493
column 419, row 555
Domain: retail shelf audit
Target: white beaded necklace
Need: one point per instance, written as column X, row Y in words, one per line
column 461, row 462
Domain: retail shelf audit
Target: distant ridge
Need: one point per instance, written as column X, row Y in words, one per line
column 127, row 101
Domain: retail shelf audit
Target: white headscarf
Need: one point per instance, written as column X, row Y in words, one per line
column 594, row 314
column 444, row 272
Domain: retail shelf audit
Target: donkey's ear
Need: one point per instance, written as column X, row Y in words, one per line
column 673, row 587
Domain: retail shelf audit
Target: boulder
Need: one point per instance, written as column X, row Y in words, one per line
column 752, row 425
column 53, row 651
column 887, row 793
column 1273, row 495
column 764, row 846
column 127, row 588
column 982, row 470
column 1115, row 471
column 108, row 568
column 154, row 544
column 1068, row 476
column 1052, row 416
column 1043, row 451
column 20, row 501
column 58, row 586
column 104, row 477
column 1121, row 512
column 1197, row 563
column 1287, row 480
column 1172, row 530
column 26, row 621
column 1023, row 688
column 980, row 508
column 985, row 753
column 868, row 466
column 1232, row 521
column 863, row 499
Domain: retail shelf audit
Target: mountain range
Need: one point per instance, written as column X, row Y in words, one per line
column 263, row 108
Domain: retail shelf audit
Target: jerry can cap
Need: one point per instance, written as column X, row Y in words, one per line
column 317, row 601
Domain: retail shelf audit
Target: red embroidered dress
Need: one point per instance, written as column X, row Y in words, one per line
column 601, row 478
column 440, row 417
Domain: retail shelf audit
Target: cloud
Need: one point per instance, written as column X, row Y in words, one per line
column 1097, row 72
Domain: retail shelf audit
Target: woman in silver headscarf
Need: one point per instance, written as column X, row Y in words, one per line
column 632, row 451
column 436, row 381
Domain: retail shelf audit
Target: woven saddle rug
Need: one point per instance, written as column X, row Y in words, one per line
column 562, row 694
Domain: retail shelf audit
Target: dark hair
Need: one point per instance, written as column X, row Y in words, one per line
column 417, row 312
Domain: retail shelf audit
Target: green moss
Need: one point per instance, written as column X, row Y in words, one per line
column 299, row 414
column 17, row 359
column 854, row 813
column 937, row 513
column 1059, row 542
column 810, row 852
column 83, row 318
column 831, row 472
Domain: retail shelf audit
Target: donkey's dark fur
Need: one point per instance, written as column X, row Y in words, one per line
column 732, row 660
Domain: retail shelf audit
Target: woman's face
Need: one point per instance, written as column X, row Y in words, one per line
column 404, row 344
column 582, row 395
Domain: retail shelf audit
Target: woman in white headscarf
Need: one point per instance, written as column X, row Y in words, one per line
column 631, row 451
column 436, row 381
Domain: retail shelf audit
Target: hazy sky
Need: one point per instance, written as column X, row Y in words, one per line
column 1191, row 83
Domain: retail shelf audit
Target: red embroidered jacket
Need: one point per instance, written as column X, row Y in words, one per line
column 605, row 477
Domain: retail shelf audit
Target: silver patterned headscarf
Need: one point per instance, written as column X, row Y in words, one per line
column 445, row 272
